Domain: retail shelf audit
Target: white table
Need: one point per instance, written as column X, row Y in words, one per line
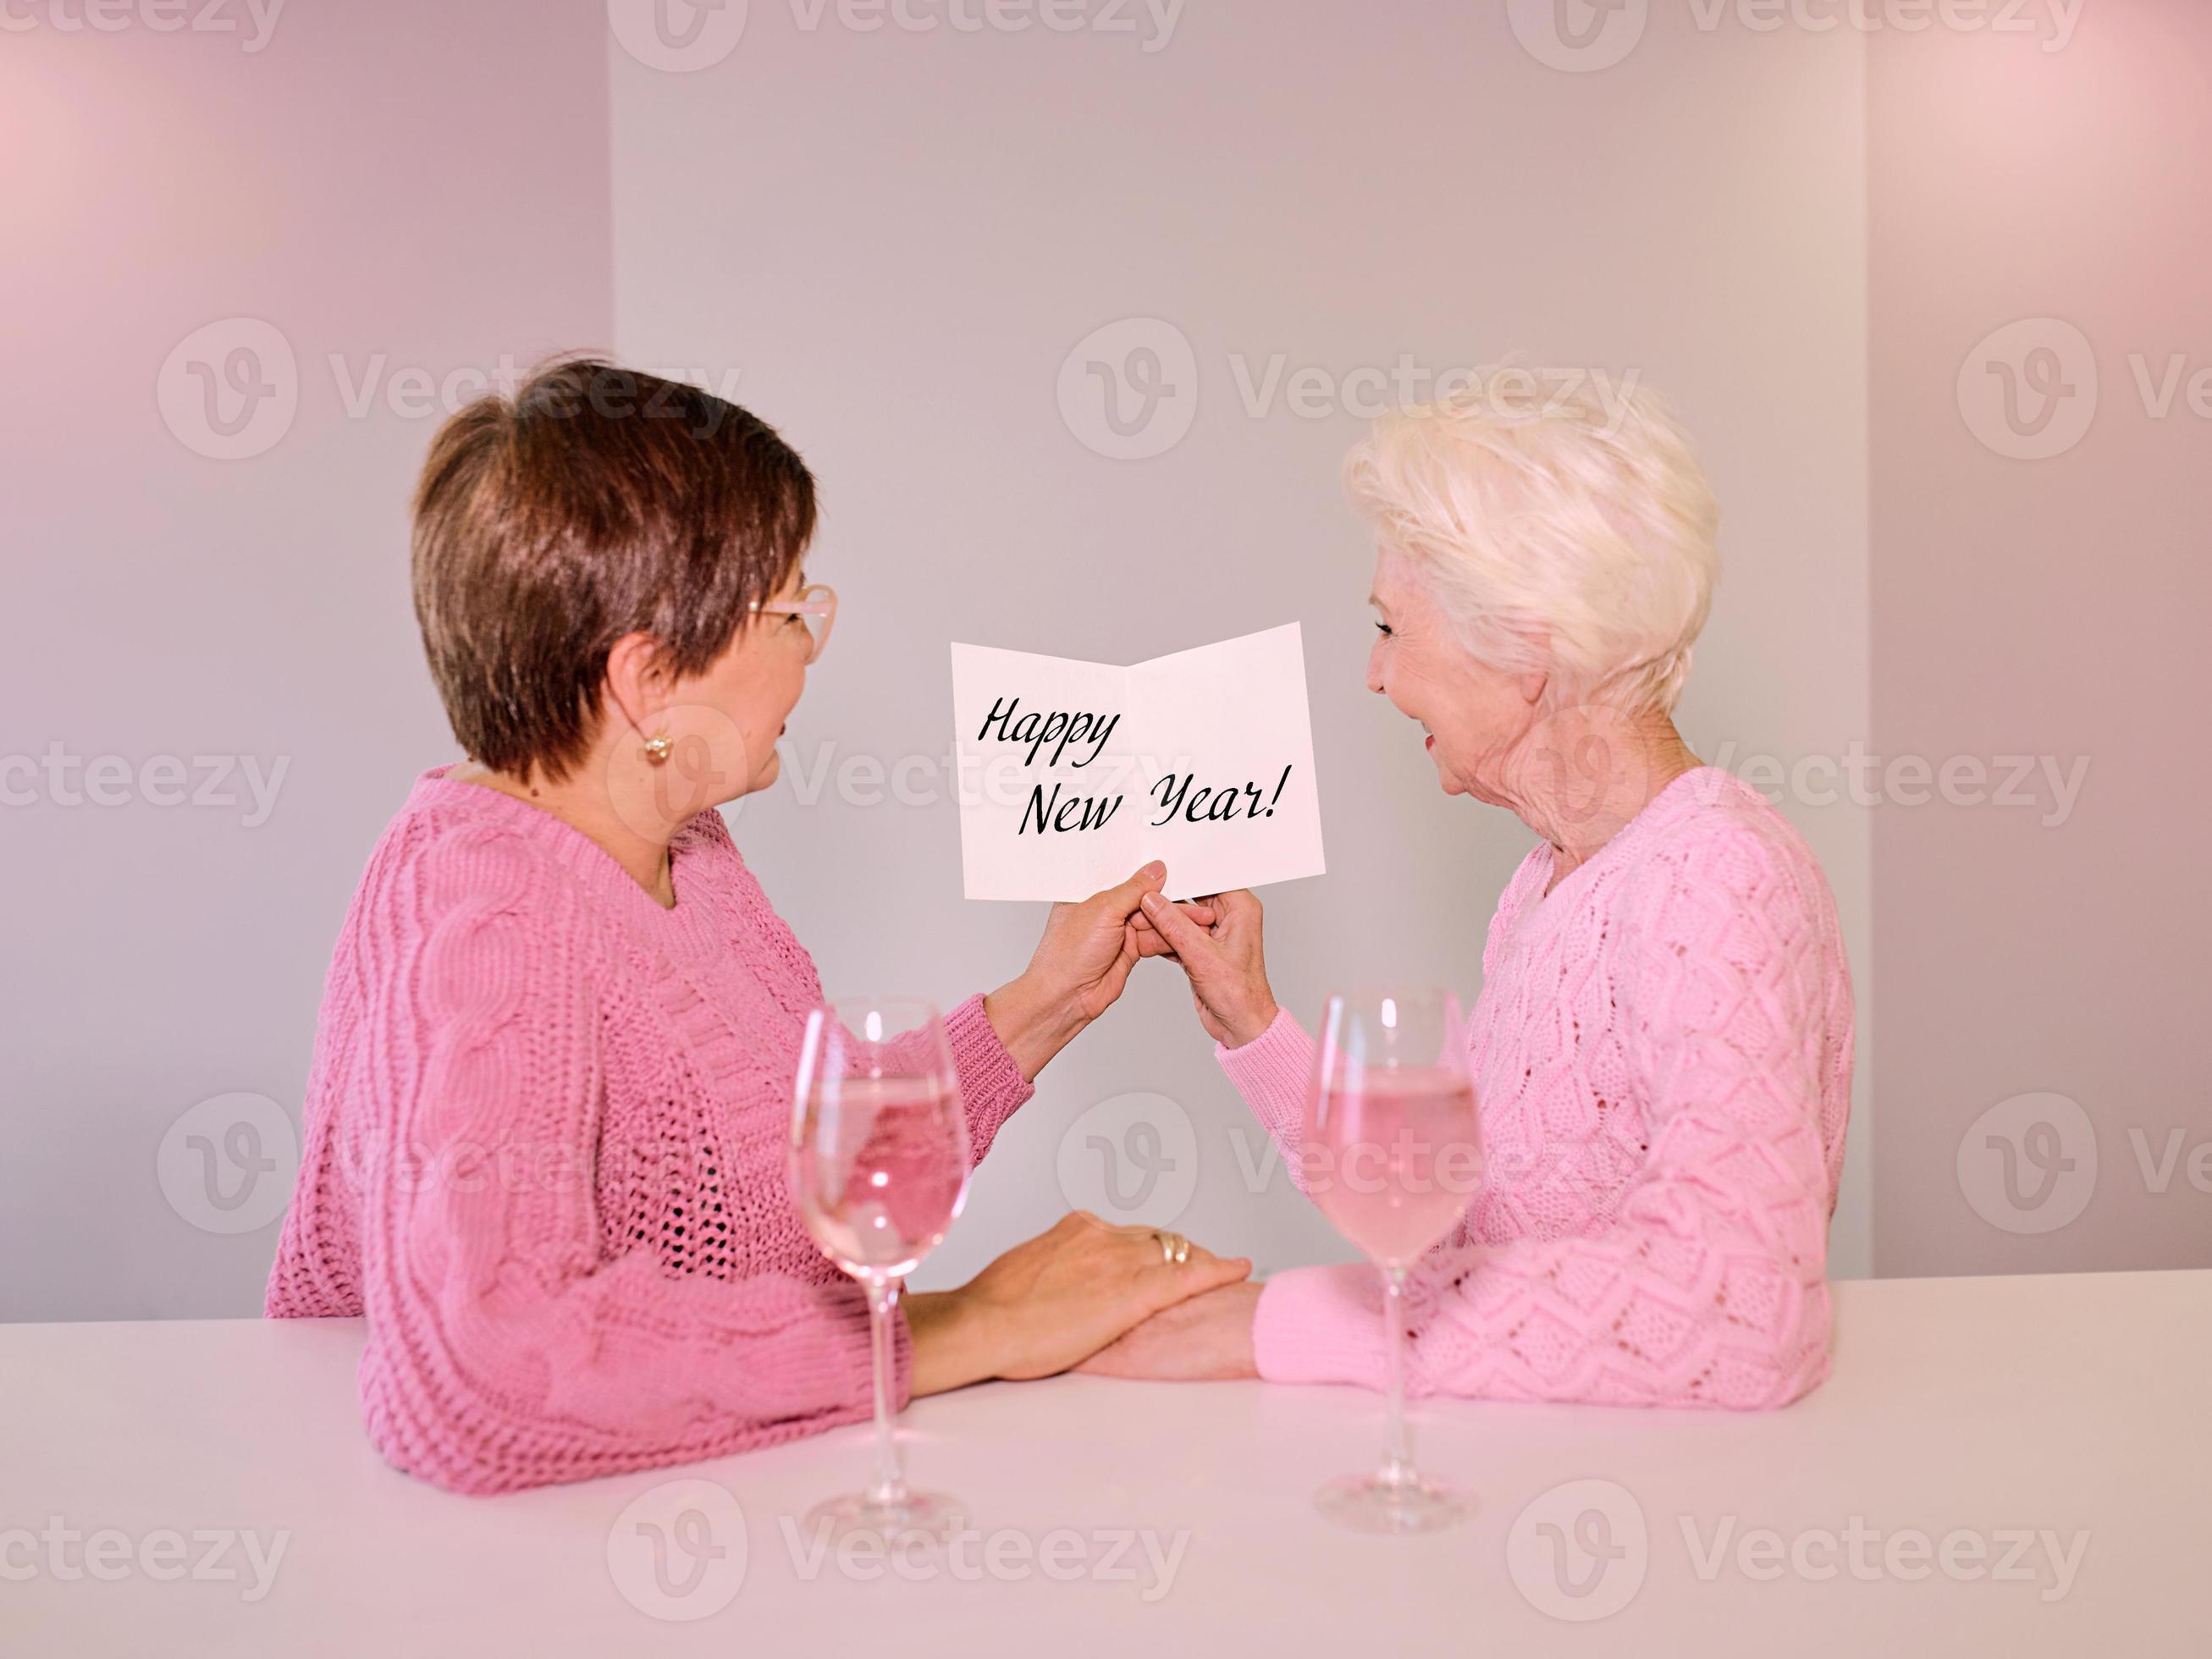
column 2069, row 1405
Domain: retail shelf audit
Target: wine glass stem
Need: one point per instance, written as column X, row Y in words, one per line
column 888, row 1487
column 1397, row 1452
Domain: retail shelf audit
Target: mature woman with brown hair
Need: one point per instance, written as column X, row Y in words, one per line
column 546, row 1118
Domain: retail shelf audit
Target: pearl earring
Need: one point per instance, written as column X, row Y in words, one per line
column 657, row 750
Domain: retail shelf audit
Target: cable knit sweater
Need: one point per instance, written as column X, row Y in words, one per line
column 544, row 1155
column 1662, row 1062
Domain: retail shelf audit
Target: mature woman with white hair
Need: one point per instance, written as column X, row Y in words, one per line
column 1663, row 1046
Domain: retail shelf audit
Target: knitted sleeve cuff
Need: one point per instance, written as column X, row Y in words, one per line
column 840, row 1366
column 1321, row 1325
column 991, row 1085
column 1273, row 1072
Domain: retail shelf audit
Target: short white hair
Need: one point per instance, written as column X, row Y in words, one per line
column 1562, row 523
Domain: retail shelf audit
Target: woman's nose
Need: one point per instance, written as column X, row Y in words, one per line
column 1375, row 669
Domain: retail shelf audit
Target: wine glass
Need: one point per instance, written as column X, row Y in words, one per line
column 879, row 1170
column 1391, row 1124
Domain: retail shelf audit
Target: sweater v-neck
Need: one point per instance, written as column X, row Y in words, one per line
column 676, row 929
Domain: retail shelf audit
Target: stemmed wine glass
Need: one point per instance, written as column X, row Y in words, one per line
column 879, row 1170
column 1391, row 1115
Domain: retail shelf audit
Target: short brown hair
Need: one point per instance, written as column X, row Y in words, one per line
column 594, row 502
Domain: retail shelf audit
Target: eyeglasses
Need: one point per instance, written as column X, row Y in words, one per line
column 816, row 606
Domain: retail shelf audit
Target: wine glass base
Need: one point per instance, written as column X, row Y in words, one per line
column 1387, row 1504
column 920, row 1519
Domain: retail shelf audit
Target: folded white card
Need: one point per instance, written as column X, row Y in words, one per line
column 1073, row 774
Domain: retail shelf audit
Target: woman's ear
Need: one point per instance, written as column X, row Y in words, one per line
column 637, row 680
column 1532, row 687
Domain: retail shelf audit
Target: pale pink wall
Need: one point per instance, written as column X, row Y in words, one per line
column 913, row 229
column 2054, row 606
column 430, row 184
column 423, row 180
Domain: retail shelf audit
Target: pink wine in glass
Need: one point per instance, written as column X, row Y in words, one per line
column 881, row 1212
column 878, row 1170
column 1392, row 1128
column 1401, row 1163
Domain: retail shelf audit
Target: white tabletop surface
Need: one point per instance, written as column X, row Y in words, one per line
column 2011, row 1426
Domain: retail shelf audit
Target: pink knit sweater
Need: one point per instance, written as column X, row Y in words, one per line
column 545, row 1155
column 1662, row 1061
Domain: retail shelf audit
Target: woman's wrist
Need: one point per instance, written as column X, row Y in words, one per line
column 1252, row 1025
column 951, row 1339
column 1032, row 1022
